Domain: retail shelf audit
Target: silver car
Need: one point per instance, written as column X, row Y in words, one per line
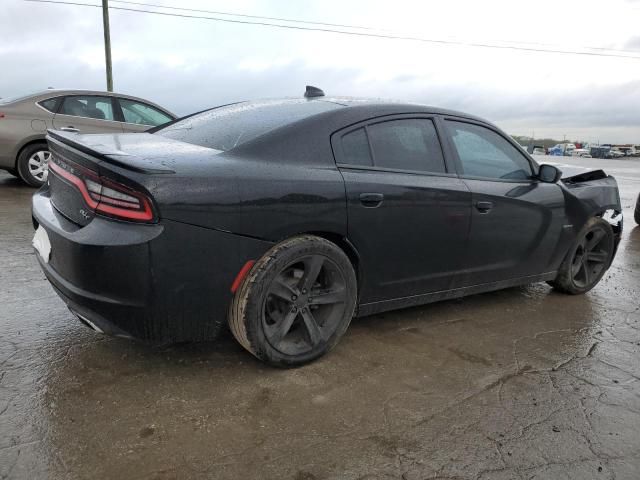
column 24, row 122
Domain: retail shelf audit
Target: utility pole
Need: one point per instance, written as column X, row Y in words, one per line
column 107, row 43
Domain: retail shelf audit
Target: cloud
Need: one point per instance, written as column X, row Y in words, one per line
column 189, row 65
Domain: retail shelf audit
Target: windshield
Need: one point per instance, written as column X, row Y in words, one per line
column 227, row 127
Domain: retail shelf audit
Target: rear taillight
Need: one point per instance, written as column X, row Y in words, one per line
column 105, row 196
column 1, row 115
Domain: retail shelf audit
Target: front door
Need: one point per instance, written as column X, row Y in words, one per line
column 516, row 220
column 408, row 214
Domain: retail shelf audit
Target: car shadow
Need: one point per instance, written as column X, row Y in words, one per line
column 11, row 182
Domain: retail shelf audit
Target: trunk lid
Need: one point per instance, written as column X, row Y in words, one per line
column 138, row 152
column 115, row 165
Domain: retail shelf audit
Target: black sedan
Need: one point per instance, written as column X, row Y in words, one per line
column 285, row 218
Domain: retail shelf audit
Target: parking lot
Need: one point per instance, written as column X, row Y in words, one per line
column 520, row 383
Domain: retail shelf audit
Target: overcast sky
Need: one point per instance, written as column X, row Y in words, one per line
column 187, row 64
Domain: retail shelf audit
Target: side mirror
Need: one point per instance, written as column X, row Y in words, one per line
column 549, row 174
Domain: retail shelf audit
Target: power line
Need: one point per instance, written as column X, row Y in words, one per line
column 355, row 27
column 358, row 34
column 216, row 12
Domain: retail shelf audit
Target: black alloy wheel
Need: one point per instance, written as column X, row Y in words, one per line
column 588, row 260
column 304, row 305
column 591, row 257
column 296, row 302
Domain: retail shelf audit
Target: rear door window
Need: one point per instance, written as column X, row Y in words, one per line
column 355, row 148
column 410, row 144
column 406, row 144
column 88, row 106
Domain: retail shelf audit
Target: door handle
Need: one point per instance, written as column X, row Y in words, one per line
column 371, row 200
column 484, row 207
column 70, row 129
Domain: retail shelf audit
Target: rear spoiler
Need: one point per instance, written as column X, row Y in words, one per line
column 90, row 145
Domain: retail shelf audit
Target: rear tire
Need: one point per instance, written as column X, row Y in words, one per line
column 587, row 260
column 636, row 214
column 296, row 302
column 33, row 164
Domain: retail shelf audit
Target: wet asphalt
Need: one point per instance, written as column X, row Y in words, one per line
column 518, row 384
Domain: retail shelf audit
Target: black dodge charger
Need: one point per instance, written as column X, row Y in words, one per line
column 285, row 218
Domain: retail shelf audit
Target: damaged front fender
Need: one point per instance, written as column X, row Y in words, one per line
column 591, row 193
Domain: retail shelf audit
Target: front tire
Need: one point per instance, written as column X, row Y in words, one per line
column 296, row 302
column 33, row 164
column 588, row 259
column 636, row 213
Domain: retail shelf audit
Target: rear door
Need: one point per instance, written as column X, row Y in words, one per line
column 139, row 116
column 87, row 114
column 516, row 220
column 408, row 213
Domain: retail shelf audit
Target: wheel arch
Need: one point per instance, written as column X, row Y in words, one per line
column 347, row 247
column 611, row 216
column 615, row 219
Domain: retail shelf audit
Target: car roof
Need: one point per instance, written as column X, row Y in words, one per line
column 299, row 136
column 382, row 102
column 353, row 107
column 385, row 104
column 59, row 92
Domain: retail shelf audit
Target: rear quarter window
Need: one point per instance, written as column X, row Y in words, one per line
column 51, row 104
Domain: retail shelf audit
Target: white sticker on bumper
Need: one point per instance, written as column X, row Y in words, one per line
column 42, row 244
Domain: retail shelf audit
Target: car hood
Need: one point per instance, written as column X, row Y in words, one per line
column 573, row 173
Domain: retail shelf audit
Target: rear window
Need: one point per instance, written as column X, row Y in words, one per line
column 227, row 127
column 17, row 98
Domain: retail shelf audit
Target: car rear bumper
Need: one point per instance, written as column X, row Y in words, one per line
column 87, row 315
column 163, row 283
